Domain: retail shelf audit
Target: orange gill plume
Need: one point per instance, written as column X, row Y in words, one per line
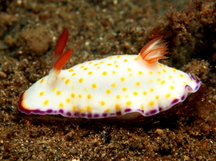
column 154, row 50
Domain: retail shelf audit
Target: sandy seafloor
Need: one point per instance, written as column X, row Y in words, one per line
column 28, row 33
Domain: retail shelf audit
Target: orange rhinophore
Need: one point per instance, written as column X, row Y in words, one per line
column 61, row 43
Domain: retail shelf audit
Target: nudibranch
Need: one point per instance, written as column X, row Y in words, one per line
column 109, row 87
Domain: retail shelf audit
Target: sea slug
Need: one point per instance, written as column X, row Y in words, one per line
column 109, row 87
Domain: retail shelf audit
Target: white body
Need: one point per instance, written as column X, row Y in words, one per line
column 109, row 87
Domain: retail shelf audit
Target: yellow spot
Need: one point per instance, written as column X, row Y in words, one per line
column 74, row 108
column 95, row 64
column 104, row 73
column 156, row 97
column 164, row 70
column 145, row 93
column 108, row 91
column 113, row 85
column 98, row 67
column 140, row 72
column 94, row 85
column 110, row 57
column 80, row 95
column 116, row 66
column 67, row 81
column 85, row 69
column 159, row 72
column 174, row 70
column 158, row 79
column 118, row 56
column 130, row 74
column 42, row 80
column 90, row 62
column 61, row 105
column 41, row 93
column 73, row 87
column 122, row 79
column 82, row 110
column 128, row 103
column 72, row 95
column 101, row 62
column 124, row 89
column 129, row 69
column 63, row 78
column 73, row 74
column 113, row 72
column 151, row 90
column 89, row 73
column 118, row 96
column 45, row 102
column 135, row 93
column 181, row 75
column 81, row 80
column 89, row 96
column 125, row 60
column 82, row 66
column 117, row 106
column 115, row 62
column 85, row 89
column 54, row 89
column 138, row 83
column 170, row 77
column 68, row 100
column 135, row 59
column 151, row 103
column 88, row 108
column 109, row 64
column 168, row 95
column 172, row 87
column 162, row 82
column 150, row 81
column 142, row 107
column 150, row 72
column 102, row 103
column 58, row 92
column 71, row 70
column 107, row 110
